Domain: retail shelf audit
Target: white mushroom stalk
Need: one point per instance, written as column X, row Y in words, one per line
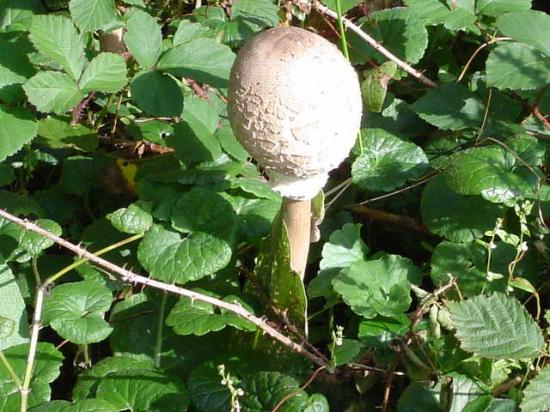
column 295, row 105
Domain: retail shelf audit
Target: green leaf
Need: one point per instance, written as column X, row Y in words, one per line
column 15, row 67
column 12, row 311
column 56, row 37
column 141, row 390
column 53, row 92
column 133, row 219
column 454, row 18
column 157, row 94
column 387, row 162
column 256, row 13
column 106, row 73
column 418, row 397
column 74, row 311
column 495, row 8
column 486, row 171
column 530, row 27
column 203, row 60
column 456, row 217
column 86, row 405
column 230, row 144
column 90, row 15
column 188, row 31
column 6, row 175
column 535, row 395
column 46, row 369
column 450, row 106
column 346, row 352
column 517, row 66
column 379, row 286
column 496, row 327
column 35, row 243
column 375, row 86
column 17, row 128
column 143, row 39
column 199, row 318
column 57, row 132
column 207, row 392
column 345, row 4
column 17, row 16
column 194, row 142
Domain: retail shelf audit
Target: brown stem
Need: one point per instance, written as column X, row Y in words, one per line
column 297, row 218
column 399, row 220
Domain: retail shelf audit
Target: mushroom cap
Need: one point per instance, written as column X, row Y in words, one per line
column 295, row 105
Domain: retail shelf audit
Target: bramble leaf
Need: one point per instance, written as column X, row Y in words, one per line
column 143, row 39
column 52, row 92
column 536, row 393
column 90, row 15
column 106, row 73
column 17, row 128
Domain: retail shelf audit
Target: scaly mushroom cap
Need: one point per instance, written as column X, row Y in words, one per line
column 295, row 105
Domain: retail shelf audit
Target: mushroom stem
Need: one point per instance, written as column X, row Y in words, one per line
column 113, row 41
column 297, row 219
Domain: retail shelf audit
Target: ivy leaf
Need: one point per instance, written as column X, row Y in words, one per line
column 17, row 128
column 141, row 390
column 57, row 132
column 14, row 329
column 35, row 243
column 378, row 286
column 106, row 73
column 456, row 217
column 486, row 171
column 143, row 39
column 90, row 15
column 203, row 60
column 133, row 219
column 535, row 27
column 535, row 395
column 495, row 8
column 74, row 310
column 517, row 66
column 199, row 318
column 450, row 106
column 53, row 92
column 157, row 94
column 496, row 327
column 56, row 37
column 387, row 162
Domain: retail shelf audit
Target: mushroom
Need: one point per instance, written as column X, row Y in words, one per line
column 295, row 105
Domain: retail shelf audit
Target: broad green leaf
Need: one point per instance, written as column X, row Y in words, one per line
column 57, row 132
column 255, row 216
column 387, row 162
column 6, row 175
column 347, row 351
column 536, row 393
column 194, row 142
column 418, row 397
column 106, row 73
column 203, row 111
column 157, row 94
column 230, row 144
column 15, row 67
column 380, row 331
column 133, row 219
column 56, row 37
column 256, row 13
column 46, row 369
column 14, row 327
column 17, row 128
column 495, row 8
column 497, row 326
column 34, row 243
column 203, row 60
column 16, row 15
column 53, row 92
column 453, row 18
column 75, row 311
column 486, row 171
column 206, row 391
column 517, row 66
column 529, row 27
column 379, row 286
column 486, row 403
column 456, row 217
column 90, row 15
column 343, row 248
column 143, row 390
column 188, row 31
column 143, row 39
column 199, row 318
column 375, row 86
column 86, row 405
column 450, row 106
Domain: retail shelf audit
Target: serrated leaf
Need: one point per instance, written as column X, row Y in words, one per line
column 255, row 215
column 90, row 15
column 256, row 13
column 203, row 60
column 496, row 327
column 106, row 73
column 74, row 311
column 57, row 133
column 17, row 16
column 535, row 395
column 157, row 94
column 15, row 67
column 387, row 162
column 418, row 397
column 486, row 171
column 194, row 142
column 7, row 326
column 375, row 85
column 14, row 327
column 450, row 106
column 199, row 318
column 86, row 405
column 188, row 31
column 133, row 219
column 56, row 37
column 35, row 243
column 495, row 8
column 207, row 392
column 456, row 217
column 379, row 286
column 517, row 66
column 17, row 128
column 530, row 27
column 436, row 12
column 143, row 39
column 52, row 92
column 230, row 144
